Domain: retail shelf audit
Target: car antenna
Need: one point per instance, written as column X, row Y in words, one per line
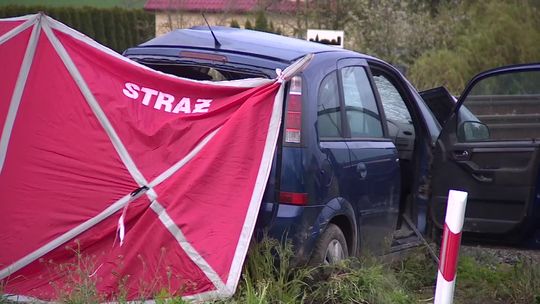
column 217, row 45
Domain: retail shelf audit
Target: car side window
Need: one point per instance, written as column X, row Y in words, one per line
column 360, row 105
column 393, row 104
column 328, row 108
column 502, row 107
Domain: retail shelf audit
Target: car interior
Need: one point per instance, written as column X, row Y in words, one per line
column 402, row 131
column 199, row 71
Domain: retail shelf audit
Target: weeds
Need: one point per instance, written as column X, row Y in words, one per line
column 523, row 284
column 268, row 277
column 417, row 271
column 82, row 284
column 359, row 281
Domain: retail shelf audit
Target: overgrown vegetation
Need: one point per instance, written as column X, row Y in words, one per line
column 481, row 276
column 269, row 278
column 76, row 3
column 116, row 28
column 442, row 42
column 489, row 34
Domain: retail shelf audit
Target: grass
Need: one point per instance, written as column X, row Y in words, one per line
column 269, row 278
column 360, row 281
column 75, row 3
column 481, row 277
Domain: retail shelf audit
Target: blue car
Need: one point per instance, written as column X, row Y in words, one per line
column 352, row 170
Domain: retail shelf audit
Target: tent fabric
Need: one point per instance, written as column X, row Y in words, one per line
column 142, row 181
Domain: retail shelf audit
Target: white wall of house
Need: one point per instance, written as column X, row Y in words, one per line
column 168, row 21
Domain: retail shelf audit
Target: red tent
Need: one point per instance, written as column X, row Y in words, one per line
column 147, row 181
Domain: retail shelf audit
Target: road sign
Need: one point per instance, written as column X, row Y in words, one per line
column 329, row 37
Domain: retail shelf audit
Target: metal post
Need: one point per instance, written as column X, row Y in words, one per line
column 446, row 278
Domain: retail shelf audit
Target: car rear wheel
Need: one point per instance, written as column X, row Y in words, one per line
column 331, row 247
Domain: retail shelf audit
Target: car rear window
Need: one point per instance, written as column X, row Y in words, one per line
column 203, row 72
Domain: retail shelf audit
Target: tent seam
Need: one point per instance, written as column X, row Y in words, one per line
column 191, row 252
column 16, row 98
column 251, row 83
column 95, row 107
column 258, row 191
column 182, row 162
column 18, row 29
column 43, row 250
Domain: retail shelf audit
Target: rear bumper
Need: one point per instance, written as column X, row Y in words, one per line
column 296, row 224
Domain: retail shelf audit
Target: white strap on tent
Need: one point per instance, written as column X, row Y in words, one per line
column 21, row 18
column 30, row 20
column 210, row 296
column 258, row 192
column 65, row 237
column 168, row 222
column 20, row 84
column 178, row 165
column 294, row 68
column 243, row 83
column 121, row 229
column 94, row 105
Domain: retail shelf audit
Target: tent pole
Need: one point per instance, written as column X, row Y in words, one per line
column 20, row 84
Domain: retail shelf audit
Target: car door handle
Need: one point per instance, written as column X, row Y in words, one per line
column 482, row 178
column 361, row 169
column 461, row 155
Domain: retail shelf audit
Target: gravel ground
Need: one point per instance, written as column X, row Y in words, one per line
column 502, row 255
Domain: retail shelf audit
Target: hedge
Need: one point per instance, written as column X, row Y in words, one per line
column 116, row 28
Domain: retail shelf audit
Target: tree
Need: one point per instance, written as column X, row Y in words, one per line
column 234, row 23
column 261, row 23
column 99, row 26
column 86, row 22
column 110, row 32
column 492, row 33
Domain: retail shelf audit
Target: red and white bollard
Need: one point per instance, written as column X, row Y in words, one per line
column 446, row 278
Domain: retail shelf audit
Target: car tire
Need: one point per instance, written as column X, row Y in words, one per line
column 331, row 247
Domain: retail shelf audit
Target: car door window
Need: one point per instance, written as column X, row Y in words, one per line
column 360, row 105
column 328, row 108
column 393, row 103
column 503, row 107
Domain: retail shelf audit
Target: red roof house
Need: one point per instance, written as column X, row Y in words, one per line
column 220, row 6
column 174, row 14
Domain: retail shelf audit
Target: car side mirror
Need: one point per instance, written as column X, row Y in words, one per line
column 473, row 131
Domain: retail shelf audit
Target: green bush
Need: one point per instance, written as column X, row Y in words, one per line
column 261, row 23
column 248, row 25
column 234, row 24
column 492, row 33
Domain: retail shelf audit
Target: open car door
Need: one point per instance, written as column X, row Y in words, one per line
column 440, row 102
column 490, row 148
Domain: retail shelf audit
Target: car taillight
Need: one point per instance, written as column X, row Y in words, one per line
column 293, row 198
column 293, row 116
